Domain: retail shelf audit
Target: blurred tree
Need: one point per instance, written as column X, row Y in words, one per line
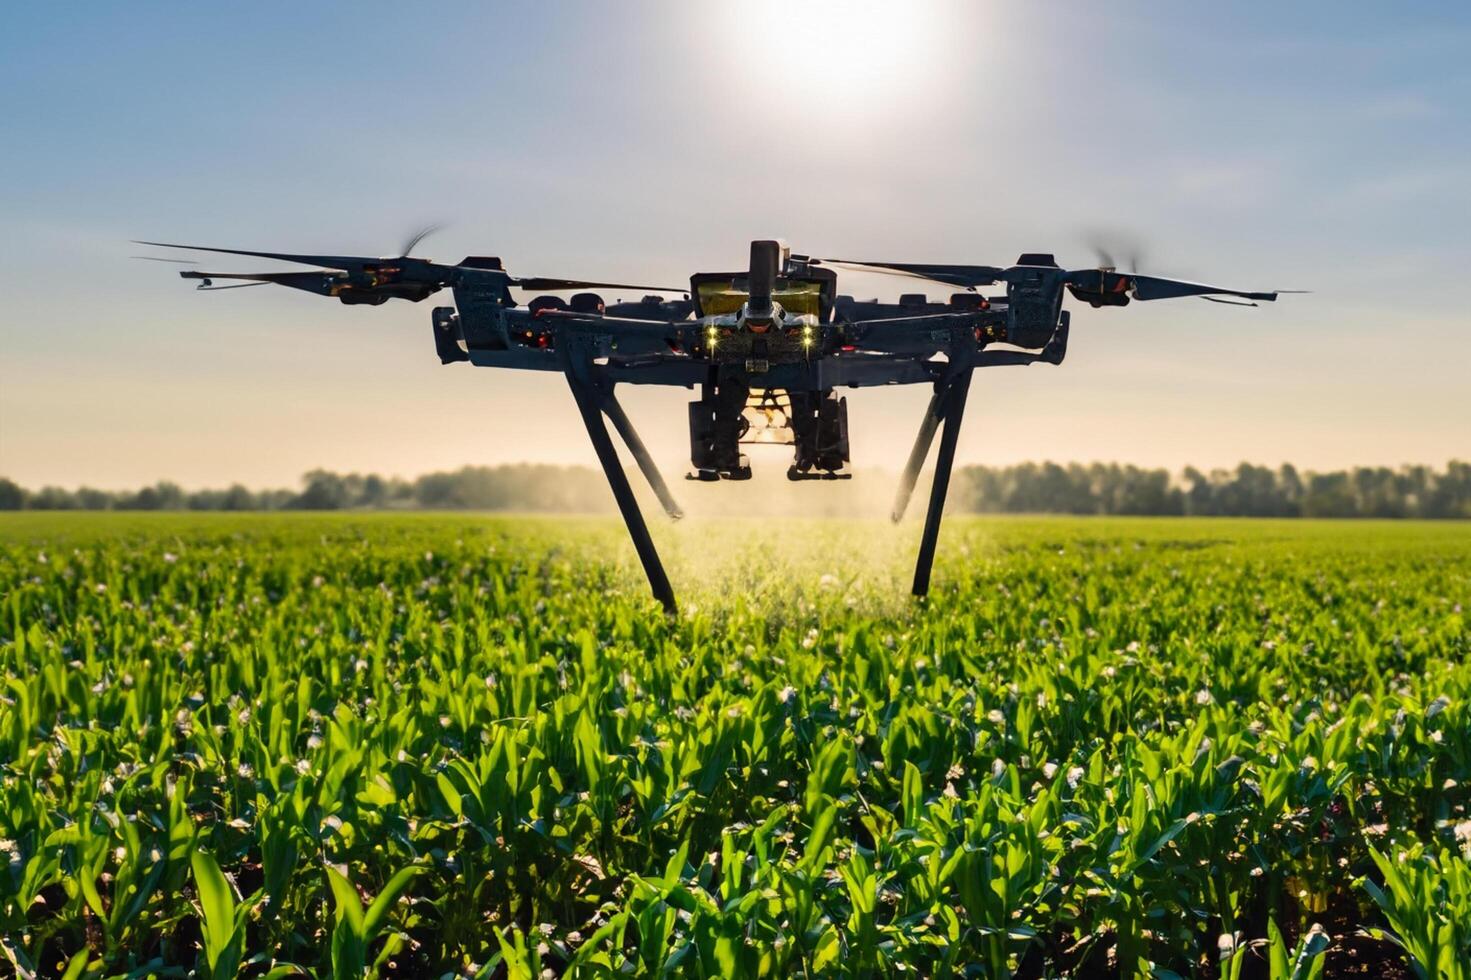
column 12, row 497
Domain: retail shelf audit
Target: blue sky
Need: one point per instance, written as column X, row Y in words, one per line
column 1318, row 146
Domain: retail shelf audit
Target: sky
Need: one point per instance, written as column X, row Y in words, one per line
column 1319, row 146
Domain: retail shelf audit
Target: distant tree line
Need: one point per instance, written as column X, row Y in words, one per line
column 1246, row 491
column 1097, row 488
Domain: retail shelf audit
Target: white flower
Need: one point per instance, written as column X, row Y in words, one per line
column 1204, row 696
column 170, row 557
column 1074, row 776
column 828, row 582
column 303, row 767
column 1049, row 769
column 1463, row 834
column 787, row 693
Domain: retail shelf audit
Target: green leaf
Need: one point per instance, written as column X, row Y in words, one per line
column 1276, row 951
column 827, row 950
column 75, row 966
column 383, row 904
column 349, row 906
column 349, row 944
column 217, row 904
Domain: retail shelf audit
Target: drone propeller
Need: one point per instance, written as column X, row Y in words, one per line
column 552, row 284
column 418, row 237
column 346, row 263
column 354, row 263
column 1105, row 287
column 1110, row 246
column 1100, row 287
column 963, row 276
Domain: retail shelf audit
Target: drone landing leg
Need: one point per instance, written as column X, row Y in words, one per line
column 625, row 428
column 917, row 455
column 591, row 408
column 951, row 411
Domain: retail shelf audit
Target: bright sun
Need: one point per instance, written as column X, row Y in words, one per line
column 842, row 58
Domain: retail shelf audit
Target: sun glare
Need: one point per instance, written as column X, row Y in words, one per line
column 849, row 59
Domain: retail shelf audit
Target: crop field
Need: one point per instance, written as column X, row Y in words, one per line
column 438, row 745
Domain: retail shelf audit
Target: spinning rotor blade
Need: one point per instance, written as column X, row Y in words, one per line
column 1111, row 246
column 963, row 276
column 548, row 283
column 418, row 237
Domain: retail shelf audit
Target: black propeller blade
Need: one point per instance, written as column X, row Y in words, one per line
column 963, row 276
column 282, row 278
column 549, row 283
column 1154, row 287
column 1105, row 287
column 356, row 263
column 346, row 263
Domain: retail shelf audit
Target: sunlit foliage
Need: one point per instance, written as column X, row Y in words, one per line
column 471, row 746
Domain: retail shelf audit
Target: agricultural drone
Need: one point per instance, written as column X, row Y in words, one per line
column 767, row 347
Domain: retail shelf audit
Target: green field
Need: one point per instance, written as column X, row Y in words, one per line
column 454, row 745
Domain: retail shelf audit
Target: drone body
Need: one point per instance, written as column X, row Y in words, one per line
column 767, row 348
